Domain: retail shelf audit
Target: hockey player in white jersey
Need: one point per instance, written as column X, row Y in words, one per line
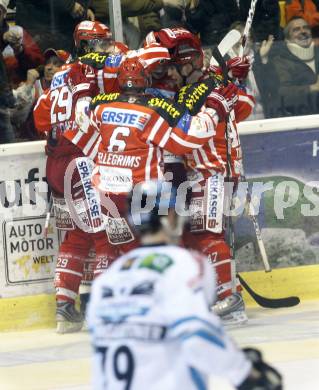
column 149, row 317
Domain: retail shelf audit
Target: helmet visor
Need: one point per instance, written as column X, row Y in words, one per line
column 100, row 45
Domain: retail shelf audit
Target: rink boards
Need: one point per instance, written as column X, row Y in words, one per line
column 27, row 258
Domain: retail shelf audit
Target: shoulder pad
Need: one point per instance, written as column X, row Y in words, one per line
column 193, row 96
column 168, row 109
column 103, row 98
column 96, row 60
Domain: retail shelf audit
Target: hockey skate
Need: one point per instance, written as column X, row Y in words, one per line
column 231, row 310
column 68, row 319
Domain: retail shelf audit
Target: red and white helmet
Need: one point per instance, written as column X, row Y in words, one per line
column 87, row 35
column 184, row 46
column 133, row 75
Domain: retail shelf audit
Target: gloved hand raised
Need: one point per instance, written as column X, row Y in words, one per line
column 222, row 100
column 239, row 67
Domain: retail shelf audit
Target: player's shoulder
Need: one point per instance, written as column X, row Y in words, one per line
column 124, row 100
column 168, row 109
column 102, row 60
column 59, row 79
column 104, row 98
column 96, row 60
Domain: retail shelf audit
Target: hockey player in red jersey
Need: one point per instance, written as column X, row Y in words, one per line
column 218, row 158
column 135, row 128
column 66, row 144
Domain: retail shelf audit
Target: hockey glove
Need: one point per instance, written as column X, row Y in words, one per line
column 82, row 113
column 239, row 67
column 222, row 100
column 262, row 375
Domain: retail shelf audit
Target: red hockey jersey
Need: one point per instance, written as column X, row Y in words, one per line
column 212, row 156
column 134, row 132
column 54, row 114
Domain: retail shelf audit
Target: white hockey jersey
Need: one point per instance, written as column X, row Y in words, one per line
column 151, row 328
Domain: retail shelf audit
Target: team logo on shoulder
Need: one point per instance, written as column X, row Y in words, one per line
column 103, row 98
column 194, row 96
column 165, row 106
column 166, row 109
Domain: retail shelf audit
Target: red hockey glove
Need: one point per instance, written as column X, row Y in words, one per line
column 222, row 100
column 217, row 70
column 82, row 81
column 238, row 67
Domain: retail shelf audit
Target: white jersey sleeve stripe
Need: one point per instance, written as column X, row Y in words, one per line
column 182, row 142
column 148, row 163
column 246, row 99
column 77, row 137
column 204, row 334
column 100, row 82
column 93, row 152
column 196, row 158
column 195, row 319
column 165, row 138
column 155, row 129
column 90, row 142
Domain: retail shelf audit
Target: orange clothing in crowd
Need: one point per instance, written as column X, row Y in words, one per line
column 305, row 9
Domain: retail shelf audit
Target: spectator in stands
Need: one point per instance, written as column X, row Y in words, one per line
column 212, row 18
column 6, row 97
column 297, row 64
column 19, row 50
column 6, row 101
column 306, row 9
column 147, row 12
column 51, row 23
column 174, row 14
column 38, row 80
column 261, row 81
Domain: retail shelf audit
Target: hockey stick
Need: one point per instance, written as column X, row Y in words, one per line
column 262, row 301
column 271, row 303
column 222, row 63
column 260, row 242
column 248, row 25
column 229, row 40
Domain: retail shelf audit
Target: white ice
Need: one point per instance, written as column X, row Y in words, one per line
column 43, row 360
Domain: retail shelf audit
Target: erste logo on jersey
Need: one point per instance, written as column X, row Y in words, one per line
column 59, row 79
column 115, row 116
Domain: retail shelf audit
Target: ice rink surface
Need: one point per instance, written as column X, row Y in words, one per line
column 43, row 360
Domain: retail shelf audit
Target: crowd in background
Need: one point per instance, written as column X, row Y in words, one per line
column 36, row 38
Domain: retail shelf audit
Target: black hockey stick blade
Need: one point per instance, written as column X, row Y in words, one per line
column 272, row 303
column 221, row 61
